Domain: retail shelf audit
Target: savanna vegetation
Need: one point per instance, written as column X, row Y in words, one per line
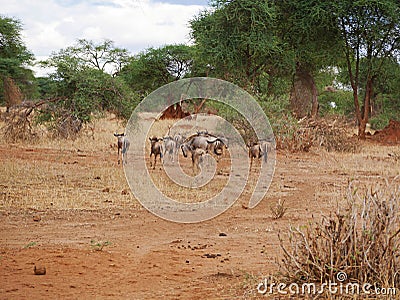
column 298, row 58
column 317, row 68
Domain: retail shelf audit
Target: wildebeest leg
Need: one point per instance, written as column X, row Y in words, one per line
column 160, row 158
column 155, row 160
column 125, row 158
column 193, row 163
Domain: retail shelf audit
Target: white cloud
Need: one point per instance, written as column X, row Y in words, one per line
column 51, row 25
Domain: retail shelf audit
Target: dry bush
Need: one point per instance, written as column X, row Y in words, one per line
column 21, row 122
column 331, row 134
column 279, row 210
column 18, row 125
column 363, row 242
column 66, row 126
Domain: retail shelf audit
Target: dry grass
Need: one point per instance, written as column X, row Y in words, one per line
column 362, row 240
column 65, row 174
column 73, row 173
column 42, row 185
column 331, row 134
column 83, row 173
column 279, row 210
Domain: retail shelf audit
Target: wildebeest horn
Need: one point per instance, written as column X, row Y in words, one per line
column 212, row 140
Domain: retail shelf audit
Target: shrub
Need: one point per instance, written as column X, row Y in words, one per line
column 386, row 107
column 344, row 103
column 363, row 241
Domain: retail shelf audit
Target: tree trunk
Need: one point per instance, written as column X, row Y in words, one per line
column 12, row 93
column 174, row 112
column 314, row 93
column 304, row 95
column 364, row 114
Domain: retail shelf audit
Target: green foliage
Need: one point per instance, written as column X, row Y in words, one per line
column 88, row 92
column 237, row 40
column 274, row 85
column 386, row 102
column 277, row 110
column 388, row 108
column 13, row 52
column 308, row 29
column 46, row 86
column 339, row 102
column 84, row 88
column 155, row 67
column 370, row 33
column 99, row 245
column 30, row 245
column 14, row 56
column 389, row 77
column 104, row 57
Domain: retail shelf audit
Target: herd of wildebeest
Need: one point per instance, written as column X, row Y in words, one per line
column 196, row 145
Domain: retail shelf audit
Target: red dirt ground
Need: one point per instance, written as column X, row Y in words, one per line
column 390, row 135
column 150, row 257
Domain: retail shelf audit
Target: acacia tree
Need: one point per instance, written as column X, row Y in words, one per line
column 308, row 30
column 104, row 56
column 84, row 88
column 237, row 40
column 370, row 31
column 155, row 67
column 14, row 57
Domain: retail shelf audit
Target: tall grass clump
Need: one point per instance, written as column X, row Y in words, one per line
column 363, row 241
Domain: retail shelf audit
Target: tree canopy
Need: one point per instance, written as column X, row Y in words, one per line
column 285, row 52
column 370, row 31
column 155, row 67
column 14, row 59
column 238, row 40
column 14, row 56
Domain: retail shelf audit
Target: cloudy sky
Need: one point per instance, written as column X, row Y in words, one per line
column 51, row 25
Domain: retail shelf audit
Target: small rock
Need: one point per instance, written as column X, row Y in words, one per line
column 124, row 192
column 37, row 218
column 222, row 234
column 39, row 270
column 211, row 255
column 106, row 190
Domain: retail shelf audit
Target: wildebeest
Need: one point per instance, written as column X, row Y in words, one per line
column 156, row 149
column 258, row 150
column 123, row 146
column 196, row 154
column 265, row 148
column 203, row 133
column 254, row 152
column 169, row 147
column 208, row 143
column 178, row 138
column 200, row 144
column 217, row 145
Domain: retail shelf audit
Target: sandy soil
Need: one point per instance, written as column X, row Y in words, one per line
column 70, row 210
